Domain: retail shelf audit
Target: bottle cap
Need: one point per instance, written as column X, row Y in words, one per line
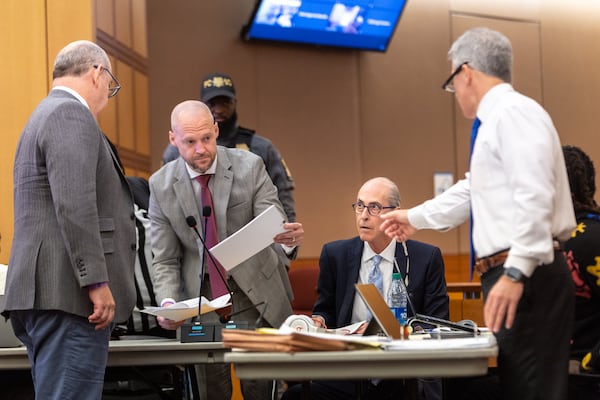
column 396, row 276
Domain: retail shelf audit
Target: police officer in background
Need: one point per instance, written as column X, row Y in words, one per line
column 218, row 93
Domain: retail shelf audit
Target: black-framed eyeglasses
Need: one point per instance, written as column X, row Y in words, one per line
column 115, row 86
column 372, row 208
column 448, row 86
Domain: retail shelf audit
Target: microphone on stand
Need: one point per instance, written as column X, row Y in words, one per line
column 196, row 331
column 210, row 332
column 206, row 212
column 224, row 319
column 191, row 221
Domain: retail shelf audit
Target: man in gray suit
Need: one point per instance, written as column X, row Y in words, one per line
column 241, row 189
column 70, row 272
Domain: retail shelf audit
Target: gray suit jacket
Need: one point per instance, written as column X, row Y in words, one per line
column 74, row 222
column 241, row 190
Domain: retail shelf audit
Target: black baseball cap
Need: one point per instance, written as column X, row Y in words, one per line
column 216, row 84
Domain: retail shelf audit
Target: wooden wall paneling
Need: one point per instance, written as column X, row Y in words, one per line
column 77, row 15
column 125, row 107
column 24, row 71
column 105, row 16
column 571, row 56
column 320, row 141
column 123, row 22
column 142, row 128
column 33, row 32
column 506, row 9
column 139, row 27
column 406, row 119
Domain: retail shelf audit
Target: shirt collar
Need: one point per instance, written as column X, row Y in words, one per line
column 489, row 100
column 210, row 171
column 388, row 254
column 72, row 92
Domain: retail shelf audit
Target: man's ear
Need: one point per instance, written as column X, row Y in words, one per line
column 172, row 138
column 96, row 75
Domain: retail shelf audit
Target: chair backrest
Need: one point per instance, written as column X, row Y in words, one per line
column 304, row 286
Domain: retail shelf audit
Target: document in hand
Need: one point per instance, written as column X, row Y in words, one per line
column 188, row 308
column 272, row 340
column 250, row 239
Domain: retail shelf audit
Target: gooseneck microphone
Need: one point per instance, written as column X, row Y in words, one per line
column 191, row 221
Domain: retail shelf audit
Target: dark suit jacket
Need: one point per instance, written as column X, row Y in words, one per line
column 339, row 270
column 74, row 221
column 241, row 190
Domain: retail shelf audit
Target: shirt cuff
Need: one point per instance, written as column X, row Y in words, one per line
column 97, row 285
column 288, row 249
column 167, row 302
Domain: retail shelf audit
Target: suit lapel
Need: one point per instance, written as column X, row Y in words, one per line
column 182, row 186
column 401, row 260
column 352, row 265
column 221, row 190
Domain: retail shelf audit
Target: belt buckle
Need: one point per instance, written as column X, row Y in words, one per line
column 482, row 266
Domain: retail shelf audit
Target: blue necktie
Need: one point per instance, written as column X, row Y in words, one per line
column 376, row 278
column 474, row 131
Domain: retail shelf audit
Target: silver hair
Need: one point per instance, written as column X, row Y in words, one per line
column 485, row 50
column 394, row 198
column 78, row 57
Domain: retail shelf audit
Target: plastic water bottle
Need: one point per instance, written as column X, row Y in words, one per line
column 397, row 299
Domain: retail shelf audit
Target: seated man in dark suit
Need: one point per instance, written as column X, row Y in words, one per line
column 346, row 262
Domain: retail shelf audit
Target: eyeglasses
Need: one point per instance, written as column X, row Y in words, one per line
column 115, row 86
column 448, row 86
column 372, row 208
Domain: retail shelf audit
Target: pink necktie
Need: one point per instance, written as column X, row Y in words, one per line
column 217, row 285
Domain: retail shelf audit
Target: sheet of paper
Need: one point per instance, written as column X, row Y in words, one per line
column 250, row 239
column 188, row 308
column 481, row 341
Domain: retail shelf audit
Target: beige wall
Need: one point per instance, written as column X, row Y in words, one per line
column 340, row 117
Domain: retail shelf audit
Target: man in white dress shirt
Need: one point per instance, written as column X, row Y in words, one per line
column 518, row 193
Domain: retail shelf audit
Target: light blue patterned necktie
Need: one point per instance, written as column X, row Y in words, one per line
column 376, row 278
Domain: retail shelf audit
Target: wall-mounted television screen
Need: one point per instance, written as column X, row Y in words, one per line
column 353, row 24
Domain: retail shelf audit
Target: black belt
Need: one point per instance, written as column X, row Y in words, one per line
column 484, row 264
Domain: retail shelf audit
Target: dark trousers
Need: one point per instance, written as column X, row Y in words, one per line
column 534, row 354
column 67, row 354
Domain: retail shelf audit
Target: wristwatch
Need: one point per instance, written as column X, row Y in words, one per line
column 515, row 274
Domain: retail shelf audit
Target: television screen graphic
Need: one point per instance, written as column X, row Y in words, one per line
column 359, row 24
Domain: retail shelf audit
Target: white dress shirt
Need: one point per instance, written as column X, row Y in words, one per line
column 518, row 186
column 386, row 265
